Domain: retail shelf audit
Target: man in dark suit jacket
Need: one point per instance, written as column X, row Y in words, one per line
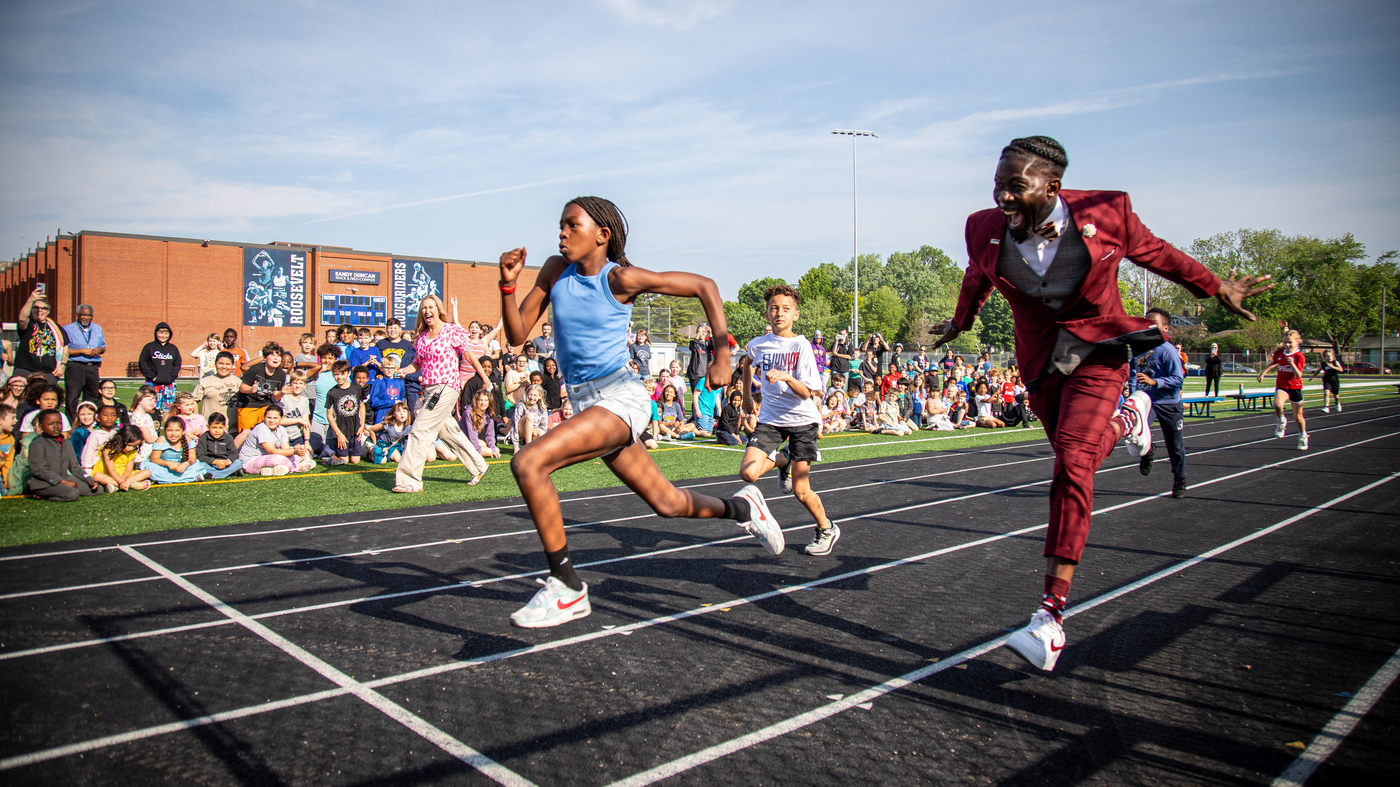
column 1054, row 254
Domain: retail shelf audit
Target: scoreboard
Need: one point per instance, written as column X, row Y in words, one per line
column 357, row 310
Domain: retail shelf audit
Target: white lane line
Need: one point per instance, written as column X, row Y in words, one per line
column 683, row 764
column 1341, row 725
column 48, row 754
column 487, row 766
column 304, row 528
column 654, row 553
column 531, row 531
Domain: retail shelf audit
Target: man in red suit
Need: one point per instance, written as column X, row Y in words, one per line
column 1054, row 254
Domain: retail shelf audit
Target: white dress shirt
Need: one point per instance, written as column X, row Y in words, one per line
column 1039, row 252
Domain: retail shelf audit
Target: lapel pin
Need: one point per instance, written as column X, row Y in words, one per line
column 1089, row 231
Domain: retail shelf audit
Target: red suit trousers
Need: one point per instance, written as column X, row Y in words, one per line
column 1076, row 410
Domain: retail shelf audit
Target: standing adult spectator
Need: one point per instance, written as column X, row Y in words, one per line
column 1160, row 373
column 870, row 369
column 438, row 351
column 640, row 350
column 876, row 344
column 40, row 339
column 86, row 344
column 702, row 354
column 240, row 355
column 1215, row 369
column 160, row 365
column 840, row 363
column 819, row 355
column 544, row 343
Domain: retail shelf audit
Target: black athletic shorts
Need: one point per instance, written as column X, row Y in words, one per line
column 801, row 440
column 1295, row 395
column 1333, row 387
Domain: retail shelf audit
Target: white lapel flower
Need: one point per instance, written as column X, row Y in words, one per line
column 1089, row 231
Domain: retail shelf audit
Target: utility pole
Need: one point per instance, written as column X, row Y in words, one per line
column 855, row 227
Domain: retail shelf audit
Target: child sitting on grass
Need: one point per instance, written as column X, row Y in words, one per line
column 729, row 429
column 832, row 414
column 480, row 426
column 531, row 417
column 173, row 457
column 107, row 424
column 268, row 450
column 87, row 421
column 8, row 421
column 985, row 399
column 184, row 409
column 673, row 423
column 118, row 466
column 54, row 472
column 217, row 450
column 41, row 397
column 889, row 420
column 391, row 433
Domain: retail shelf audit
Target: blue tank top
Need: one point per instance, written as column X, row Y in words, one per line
column 590, row 326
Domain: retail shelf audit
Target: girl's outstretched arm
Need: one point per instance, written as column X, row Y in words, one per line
column 629, row 282
column 519, row 313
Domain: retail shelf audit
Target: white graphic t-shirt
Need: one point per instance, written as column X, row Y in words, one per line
column 782, row 407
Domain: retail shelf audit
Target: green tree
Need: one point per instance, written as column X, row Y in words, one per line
column 683, row 311
column 744, row 322
column 751, row 294
column 819, row 282
column 881, row 310
column 998, row 327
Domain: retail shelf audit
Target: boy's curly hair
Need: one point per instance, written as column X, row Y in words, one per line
column 782, row 289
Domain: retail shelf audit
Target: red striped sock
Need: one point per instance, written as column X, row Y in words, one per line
column 1056, row 597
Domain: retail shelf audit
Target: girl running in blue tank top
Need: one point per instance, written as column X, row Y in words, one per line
column 592, row 287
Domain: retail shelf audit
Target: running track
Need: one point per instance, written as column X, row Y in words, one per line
column 1207, row 635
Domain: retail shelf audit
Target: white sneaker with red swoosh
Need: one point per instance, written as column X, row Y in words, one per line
column 1040, row 642
column 761, row 524
column 552, row 605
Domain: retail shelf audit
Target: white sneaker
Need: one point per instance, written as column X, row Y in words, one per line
column 1303, row 441
column 552, row 605
column 1138, row 437
column 785, row 475
column 761, row 524
column 1328, row 409
column 1040, row 642
column 824, row 541
column 1281, row 428
column 1339, row 407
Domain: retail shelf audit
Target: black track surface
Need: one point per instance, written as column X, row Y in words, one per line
column 1203, row 677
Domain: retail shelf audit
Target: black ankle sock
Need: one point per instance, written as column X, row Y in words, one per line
column 561, row 569
column 737, row 509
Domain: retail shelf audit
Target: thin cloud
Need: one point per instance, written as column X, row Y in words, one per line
column 450, row 197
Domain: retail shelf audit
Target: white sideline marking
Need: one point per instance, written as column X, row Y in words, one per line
column 487, row 766
column 715, row 752
column 303, row 528
column 654, row 553
column 91, row 745
column 1341, row 725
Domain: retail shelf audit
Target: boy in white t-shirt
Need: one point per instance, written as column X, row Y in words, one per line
column 788, row 384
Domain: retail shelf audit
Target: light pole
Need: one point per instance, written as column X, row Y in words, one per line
column 855, row 226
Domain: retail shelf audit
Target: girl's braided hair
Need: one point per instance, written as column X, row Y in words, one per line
column 606, row 214
column 1049, row 154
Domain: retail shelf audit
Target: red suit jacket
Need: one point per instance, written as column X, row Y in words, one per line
column 1094, row 311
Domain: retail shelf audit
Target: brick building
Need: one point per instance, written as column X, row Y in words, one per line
column 201, row 287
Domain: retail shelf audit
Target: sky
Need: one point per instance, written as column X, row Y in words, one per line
column 459, row 130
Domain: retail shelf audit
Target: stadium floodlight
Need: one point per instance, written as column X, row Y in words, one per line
column 855, row 227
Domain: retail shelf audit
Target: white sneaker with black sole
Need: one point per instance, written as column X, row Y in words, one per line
column 761, row 524
column 552, row 605
column 1040, row 642
column 1138, row 436
column 1281, row 428
column 824, row 541
column 1303, row 441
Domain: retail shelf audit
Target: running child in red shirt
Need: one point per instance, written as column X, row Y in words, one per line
column 1289, row 385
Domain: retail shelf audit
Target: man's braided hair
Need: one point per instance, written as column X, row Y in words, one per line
column 1048, row 155
column 606, row 214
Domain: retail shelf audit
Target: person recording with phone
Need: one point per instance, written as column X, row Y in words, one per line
column 41, row 346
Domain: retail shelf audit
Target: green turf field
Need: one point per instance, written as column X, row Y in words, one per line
column 365, row 487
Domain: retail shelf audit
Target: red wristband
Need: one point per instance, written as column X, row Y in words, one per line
column 508, row 290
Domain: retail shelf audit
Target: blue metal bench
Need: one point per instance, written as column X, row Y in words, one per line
column 1199, row 406
column 1250, row 401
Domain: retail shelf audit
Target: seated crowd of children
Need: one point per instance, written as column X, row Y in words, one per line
column 348, row 400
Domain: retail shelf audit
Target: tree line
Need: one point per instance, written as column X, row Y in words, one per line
column 1326, row 288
